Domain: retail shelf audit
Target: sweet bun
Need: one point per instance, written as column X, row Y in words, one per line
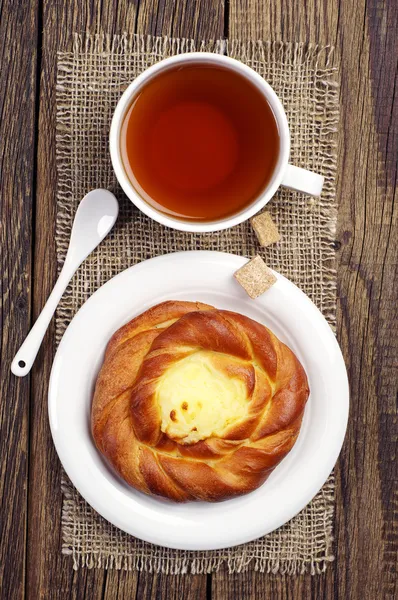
column 195, row 403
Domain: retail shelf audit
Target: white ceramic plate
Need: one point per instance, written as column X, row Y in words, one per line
column 207, row 277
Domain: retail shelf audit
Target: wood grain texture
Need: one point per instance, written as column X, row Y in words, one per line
column 252, row 585
column 172, row 587
column 312, row 21
column 18, row 48
column 364, row 32
column 121, row 584
column 179, row 18
column 49, row 574
column 367, row 283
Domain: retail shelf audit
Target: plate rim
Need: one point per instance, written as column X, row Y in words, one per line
column 312, row 490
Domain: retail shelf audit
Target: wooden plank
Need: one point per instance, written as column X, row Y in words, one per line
column 49, row 574
column 287, row 20
column 18, row 42
column 173, row 587
column 87, row 583
column 179, row 18
column 368, row 281
column 266, row 586
column 121, row 584
column 366, row 540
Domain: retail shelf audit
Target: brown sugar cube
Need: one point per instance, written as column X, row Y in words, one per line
column 255, row 277
column 266, row 230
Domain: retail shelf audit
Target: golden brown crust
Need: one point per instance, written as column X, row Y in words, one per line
column 126, row 419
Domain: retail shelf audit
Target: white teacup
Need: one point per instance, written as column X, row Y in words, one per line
column 284, row 173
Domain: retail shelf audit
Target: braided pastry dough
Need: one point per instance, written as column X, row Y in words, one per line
column 195, row 403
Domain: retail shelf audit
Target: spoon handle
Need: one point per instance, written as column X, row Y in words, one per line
column 25, row 357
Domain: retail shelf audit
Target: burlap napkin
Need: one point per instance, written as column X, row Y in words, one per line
column 91, row 79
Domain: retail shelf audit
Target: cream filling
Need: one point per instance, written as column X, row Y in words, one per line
column 198, row 401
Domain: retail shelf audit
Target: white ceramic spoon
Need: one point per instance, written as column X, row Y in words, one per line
column 95, row 217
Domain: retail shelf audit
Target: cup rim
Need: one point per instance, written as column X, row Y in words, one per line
column 199, row 226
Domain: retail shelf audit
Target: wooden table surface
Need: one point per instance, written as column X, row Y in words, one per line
column 365, row 34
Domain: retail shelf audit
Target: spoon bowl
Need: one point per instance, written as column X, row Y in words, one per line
column 95, row 217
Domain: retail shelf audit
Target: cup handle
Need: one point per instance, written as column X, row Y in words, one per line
column 303, row 180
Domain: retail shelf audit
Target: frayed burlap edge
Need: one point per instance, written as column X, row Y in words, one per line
column 132, row 553
column 156, row 559
column 104, row 43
